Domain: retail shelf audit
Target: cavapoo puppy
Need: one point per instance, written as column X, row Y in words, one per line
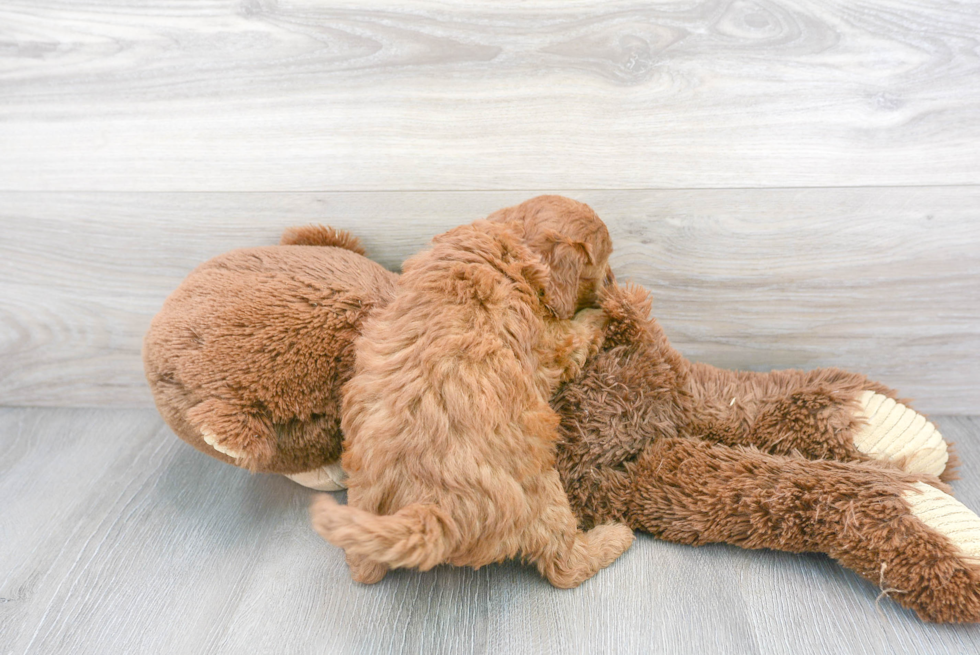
column 450, row 440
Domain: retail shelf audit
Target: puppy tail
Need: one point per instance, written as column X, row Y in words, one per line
column 321, row 235
column 416, row 536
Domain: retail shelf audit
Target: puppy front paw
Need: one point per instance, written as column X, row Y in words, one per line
column 586, row 333
column 592, row 329
column 898, row 434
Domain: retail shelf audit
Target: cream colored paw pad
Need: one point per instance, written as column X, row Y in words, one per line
column 326, row 478
column 898, row 434
column 211, row 439
column 946, row 515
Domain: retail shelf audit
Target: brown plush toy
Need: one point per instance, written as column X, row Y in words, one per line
column 824, row 461
column 247, row 358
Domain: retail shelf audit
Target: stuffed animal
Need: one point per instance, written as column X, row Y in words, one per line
column 821, row 461
column 247, row 357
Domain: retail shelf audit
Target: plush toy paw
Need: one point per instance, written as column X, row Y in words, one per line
column 947, row 516
column 228, row 429
column 900, row 435
column 933, row 569
column 330, row 477
column 245, row 453
column 211, row 439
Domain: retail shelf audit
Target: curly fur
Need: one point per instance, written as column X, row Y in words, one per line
column 450, row 437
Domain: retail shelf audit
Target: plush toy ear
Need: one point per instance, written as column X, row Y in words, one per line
column 565, row 259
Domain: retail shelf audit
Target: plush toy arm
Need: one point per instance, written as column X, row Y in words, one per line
column 245, row 437
column 912, row 539
column 820, row 414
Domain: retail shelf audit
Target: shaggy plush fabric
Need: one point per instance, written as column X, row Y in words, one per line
column 698, row 455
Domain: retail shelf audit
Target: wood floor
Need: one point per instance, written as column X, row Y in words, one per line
column 797, row 182
column 118, row 538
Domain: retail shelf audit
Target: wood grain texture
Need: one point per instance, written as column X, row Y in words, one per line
column 118, row 538
column 882, row 281
column 307, row 95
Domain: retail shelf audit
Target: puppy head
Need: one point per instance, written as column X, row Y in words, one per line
column 573, row 244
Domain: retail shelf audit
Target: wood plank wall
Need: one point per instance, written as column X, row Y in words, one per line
column 797, row 182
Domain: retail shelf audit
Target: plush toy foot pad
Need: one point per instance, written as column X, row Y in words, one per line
column 946, row 515
column 330, row 477
column 898, row 434
column 211, row 439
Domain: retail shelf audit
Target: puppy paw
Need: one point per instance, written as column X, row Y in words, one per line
column 593, row 551
column 595, row 320
column 330, row 477
column 610, row 541
column 895, row 433
column 365, row 571
column 590, row 327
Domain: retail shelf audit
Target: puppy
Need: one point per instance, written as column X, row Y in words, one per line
column 450, row 440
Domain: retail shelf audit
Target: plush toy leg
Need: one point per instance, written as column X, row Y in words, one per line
column 900, row 435
column 330, row 477
column 231, row 430
column 821, row 414
column 912, row 539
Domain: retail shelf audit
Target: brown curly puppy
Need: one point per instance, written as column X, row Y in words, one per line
column 450, row 446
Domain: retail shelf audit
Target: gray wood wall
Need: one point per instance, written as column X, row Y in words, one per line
column 798, row 182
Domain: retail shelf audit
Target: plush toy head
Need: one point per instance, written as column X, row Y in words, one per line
column 247, row 357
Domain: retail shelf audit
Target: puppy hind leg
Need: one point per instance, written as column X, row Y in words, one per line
column 565, row 555
column 586, row 554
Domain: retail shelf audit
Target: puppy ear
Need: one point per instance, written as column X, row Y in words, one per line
column 565, row 259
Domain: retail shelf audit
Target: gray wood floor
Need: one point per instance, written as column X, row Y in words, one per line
column 118, row 538
column 797, row 181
